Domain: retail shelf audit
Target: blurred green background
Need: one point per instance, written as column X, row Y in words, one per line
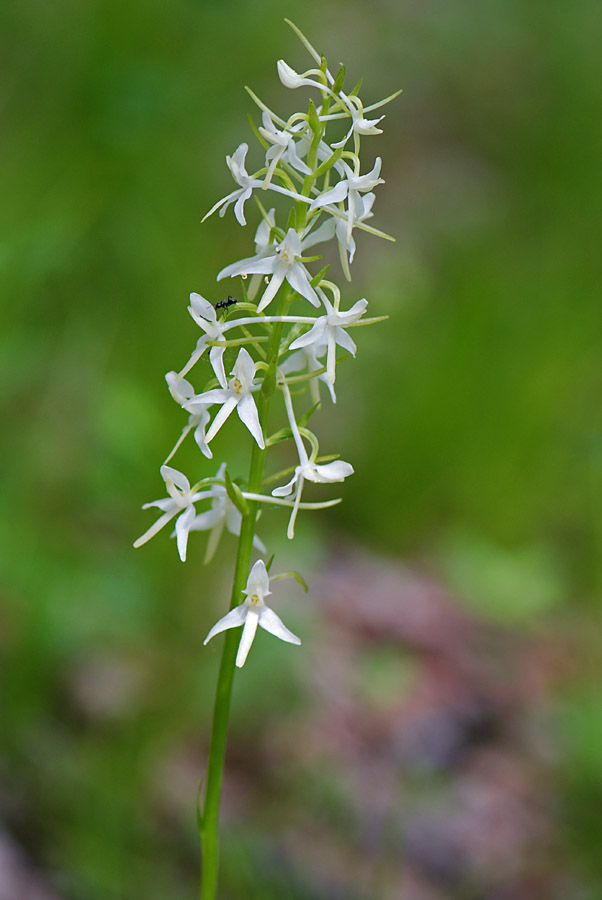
column 471, row 418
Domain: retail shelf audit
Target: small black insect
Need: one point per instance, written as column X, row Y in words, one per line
column 224, row 304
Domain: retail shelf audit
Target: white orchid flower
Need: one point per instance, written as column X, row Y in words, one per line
column 350, row 188
column 253, row 612
column 346, row 240
column 237, row 395
column 180, row 503
column 205, row 316
column 308, row 469
column 283, row 264
column 330, row 329
column 292, row 79
column 359, row 124
column 236, row 164
column 311, row 471
column 182, row 391
column 283, row 147
column 222, row 514
column 308, row 359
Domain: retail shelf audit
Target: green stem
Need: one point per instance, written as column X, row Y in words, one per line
column 209, row 823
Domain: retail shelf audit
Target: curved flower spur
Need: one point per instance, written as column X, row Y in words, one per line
column 256, row 360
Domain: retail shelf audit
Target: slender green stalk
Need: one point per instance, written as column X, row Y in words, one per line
column 209, row 823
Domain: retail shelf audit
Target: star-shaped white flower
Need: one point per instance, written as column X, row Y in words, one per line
column 222, row 514
column 182, row 391
column 253, row 612
column 236, row 164
column 205, row 316
column 311, row 471
column 236, row 396
column 308, row 469
column 329, row 329
column 282, row 147
column 282, row 264
column 308, row 359
column 180, row 503
column 359, row 124
column 351, row 188
column 292, row 79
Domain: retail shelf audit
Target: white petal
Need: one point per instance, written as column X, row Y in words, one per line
column 236, row 162
column 244, row 368
column 299, row 281
column 239, row 206
column 201, row 401
column 216, row 358
column 214, row 539
column 344, row 341
column 201, row 307
column 220, row 418
column 206, row 520
column 254, row 264
column 324, row 233
column 167, row 473
column 314, row 335
column 333, row 471
column 157, row 526
column 232, row 619
column 274, row 624
column 272, row 288
column 258, row 582
column 334, row 195
column 183, row 524
column 248, row 414
column 180, row 389
column 285, row 489
column 248, row 634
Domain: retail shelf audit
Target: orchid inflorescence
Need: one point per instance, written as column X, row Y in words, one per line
column 284, row 351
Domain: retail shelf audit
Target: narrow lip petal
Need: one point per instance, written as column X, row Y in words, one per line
column 183, row 524
column 248, row 635
column 232, row 619
column 274, row 624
